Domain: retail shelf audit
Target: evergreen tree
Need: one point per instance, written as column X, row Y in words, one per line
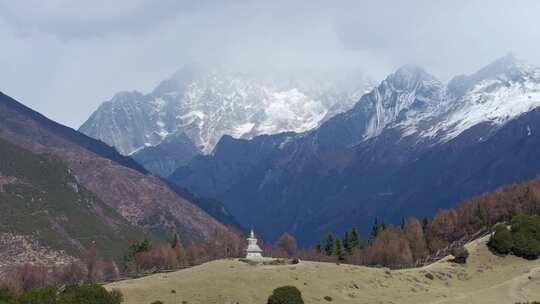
column 383, row 226
column 354, row 242
column 375, row 229
column 347, row 243
column 378, row 226
column 339, row 251
column 330, row 243
column 318, row 248
column 402, row 223
column 482, row 215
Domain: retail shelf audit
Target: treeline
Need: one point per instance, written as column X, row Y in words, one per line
column 415, row 240
column 387, row 245
column 86, row 270
column 142, row 257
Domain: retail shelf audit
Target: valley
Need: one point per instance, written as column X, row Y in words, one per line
column 278, row 152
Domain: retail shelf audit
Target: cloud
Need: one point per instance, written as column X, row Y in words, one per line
column 64, row 57
column 447, row 36
column 69, row 19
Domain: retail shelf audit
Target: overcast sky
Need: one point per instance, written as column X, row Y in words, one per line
column 64, row 57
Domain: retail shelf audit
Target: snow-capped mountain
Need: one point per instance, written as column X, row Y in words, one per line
column 419, row 105
column 412, row 145
column 496, row 94
column 205, row 104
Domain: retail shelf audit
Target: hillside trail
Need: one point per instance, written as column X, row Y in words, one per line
column 512, row 290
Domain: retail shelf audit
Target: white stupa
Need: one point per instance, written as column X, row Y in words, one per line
column 253, row 251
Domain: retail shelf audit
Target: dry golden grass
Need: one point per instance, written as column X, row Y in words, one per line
column 485, row 279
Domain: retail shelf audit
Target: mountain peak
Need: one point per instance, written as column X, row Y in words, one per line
column 127, row 95
column 180, row 79
column 410, row 69
column 410, row 76
column 508, row 65
column 506, row 69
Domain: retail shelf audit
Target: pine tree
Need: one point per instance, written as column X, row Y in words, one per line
column 354, row 242
column 383, row 226
column 318, row 248
column 481, row 213
column 347, row 243
column 339, row 250
column 375, row 229
column 402, row 223
column 330, row 243
column 378, row 226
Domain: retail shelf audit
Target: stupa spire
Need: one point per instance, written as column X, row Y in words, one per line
column 253, row 251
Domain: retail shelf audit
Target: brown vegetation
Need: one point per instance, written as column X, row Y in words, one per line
column 413, row 243
column 286, row 246
column 145, row 258
column 29, row 276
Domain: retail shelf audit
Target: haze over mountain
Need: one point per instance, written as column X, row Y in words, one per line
column 194, row 108
column 409, row 147
column 88, row 52
column 238, row 151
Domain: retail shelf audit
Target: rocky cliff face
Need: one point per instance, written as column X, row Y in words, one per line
column 409, row 147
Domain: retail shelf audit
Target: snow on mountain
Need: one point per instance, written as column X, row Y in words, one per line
column 206, row 104
column 498, row 93
column 412, row 145
column 407, row 95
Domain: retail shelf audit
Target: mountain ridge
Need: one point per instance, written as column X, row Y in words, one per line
column 359, row 164
column 206, row 103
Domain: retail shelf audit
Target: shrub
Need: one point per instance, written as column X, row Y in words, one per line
column 116, row 296
column 37, row 296
column 90, row 293
column 501, row 241
column 460, row 255
column 157, row 302
column 5, row 295
column 526, row 236
column 71, row 274
column 286, row 295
